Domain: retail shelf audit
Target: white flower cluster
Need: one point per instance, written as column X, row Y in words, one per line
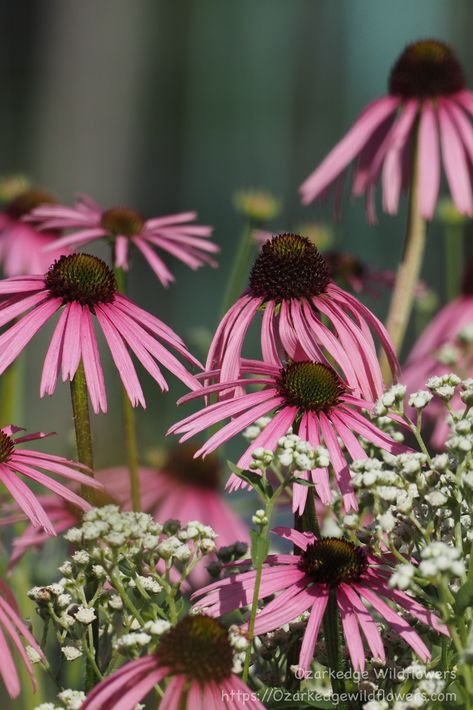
column 294, row 451
column 392, row 398
column 444, row 385
column 71, row 699
column 439, row 559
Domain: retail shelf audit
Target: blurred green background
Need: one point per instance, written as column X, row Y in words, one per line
column 171, row 105
column 167, row 106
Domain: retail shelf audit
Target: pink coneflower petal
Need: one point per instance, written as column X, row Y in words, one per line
column 112, row 685
column 139, row 690
column 365, row 620
column 456, row 166
column 92, row 366
column 19, row 335
column 122, row 359
column 406, row 632
column 312, row 629
column 428, row 161
column 52, row 361
column 339, row 463
column 272, row 432
column 171, row 699
column 349, row 147
column 392, row 168
column 157, row 264
column 351, row 631
column 27, row 501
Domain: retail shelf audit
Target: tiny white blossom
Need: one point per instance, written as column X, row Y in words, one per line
column 85, row 615
column 71, row 652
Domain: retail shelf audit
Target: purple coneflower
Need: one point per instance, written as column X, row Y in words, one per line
column 22, row 245
column 13, row 628
column 81, row 286
column 308, row 394
column 427, row 104
column 174, row 234
column 326, row 567
column 304, row 313
column 197, row 658
column 15, row 462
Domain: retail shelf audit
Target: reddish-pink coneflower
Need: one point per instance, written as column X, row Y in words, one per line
column 175, row 234
column 325, row 566
column 13, row 629
column 306, row 394
column 304, row 313
column 428, row 112
column 16, row 462
column 196, row 657
column 184, row 488
column 83, row 288
column 22, row 245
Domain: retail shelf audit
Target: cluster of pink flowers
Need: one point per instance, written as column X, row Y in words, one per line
column 317, row 375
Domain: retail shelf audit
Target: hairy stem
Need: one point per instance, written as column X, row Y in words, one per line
column 130, row 425
column 239, row 273
column 80, row 412
column 408, row 272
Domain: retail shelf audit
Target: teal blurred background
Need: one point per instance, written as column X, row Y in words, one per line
column 167, row 106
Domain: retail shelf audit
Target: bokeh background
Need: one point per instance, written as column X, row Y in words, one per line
column 171, row 105
column 167, row 106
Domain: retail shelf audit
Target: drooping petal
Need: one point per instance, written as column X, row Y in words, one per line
column 428, row 161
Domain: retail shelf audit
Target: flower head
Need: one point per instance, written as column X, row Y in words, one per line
column 16, row 462
column 427, row 104
column 22, row 245
column 304, row 582
column 174, row 234
column 13, row 629
column 307, row 393
column 290, row 283
column 82, row 287
column 196, row 656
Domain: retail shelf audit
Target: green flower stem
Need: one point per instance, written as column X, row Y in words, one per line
column 130, row 425
column 239, row 273
column 408, row 271
column 332, row 641
column 309, row 516
column 264, row 536
column 454, row 253
column 80, row 412
column 125, row 598
column 11, row 394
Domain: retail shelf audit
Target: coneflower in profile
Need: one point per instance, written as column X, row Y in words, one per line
column 304, row 313
column 174, row 234
column 428, row 110
column 83, row 288
column 22, row 245
column 325, row 567
column 308, row 394
column 197, row 658
column 16, row 462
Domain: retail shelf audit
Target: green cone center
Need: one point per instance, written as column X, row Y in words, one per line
column 311, row 386
column 82, row 278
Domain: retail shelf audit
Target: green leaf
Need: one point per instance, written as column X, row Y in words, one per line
column 301, row 482
column 464, row 597
column 254, row 479
column 259, row 548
